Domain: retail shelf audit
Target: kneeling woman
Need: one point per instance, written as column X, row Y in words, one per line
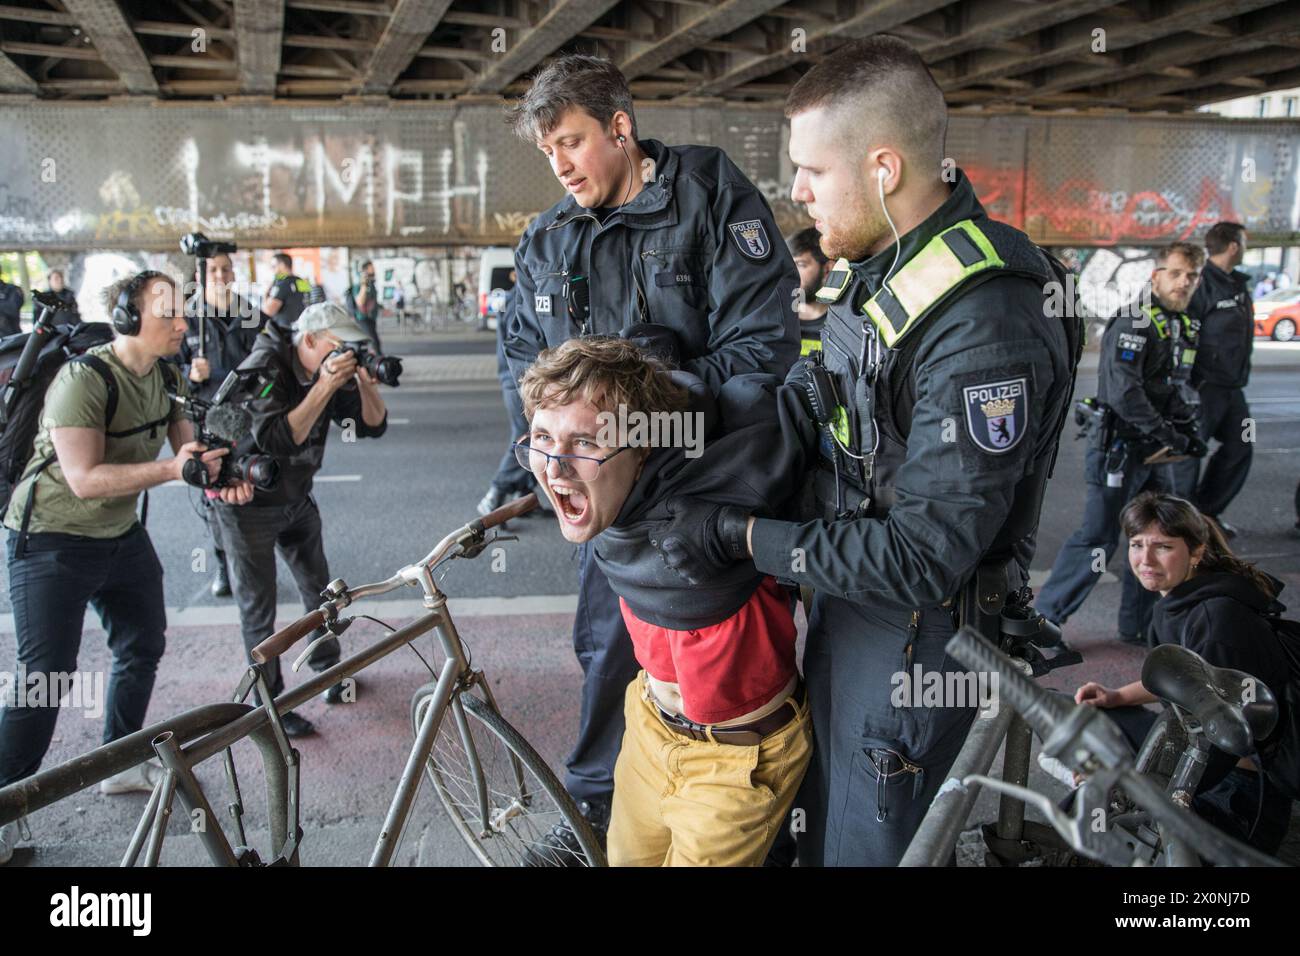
column 1216, row 605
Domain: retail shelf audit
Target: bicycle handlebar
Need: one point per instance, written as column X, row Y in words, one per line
column 1086, row 729
column 466, row 535
column 282, row 640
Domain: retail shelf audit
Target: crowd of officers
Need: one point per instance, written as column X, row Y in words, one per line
column 938, row 377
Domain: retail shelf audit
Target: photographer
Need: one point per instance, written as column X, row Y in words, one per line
column 11, row 306
column 317, row 380
column 364, row 300
column 75, row 539
column 229, row 329
column 59, row 287
column 287, row 296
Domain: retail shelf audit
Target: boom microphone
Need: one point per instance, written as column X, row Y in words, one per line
column 229, row 422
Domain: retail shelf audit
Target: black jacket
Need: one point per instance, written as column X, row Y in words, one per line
column 1135, row 375
column 756, row 466
column 954, row 498
column 1221, row 617
column 697, row 250
column 228, row 341
column 271, row 432
column 1227, row 315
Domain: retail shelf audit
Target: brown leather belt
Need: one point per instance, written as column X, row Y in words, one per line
column 741, row 735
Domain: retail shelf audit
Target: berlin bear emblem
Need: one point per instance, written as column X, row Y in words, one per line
column 996, row 413
column 751, row 238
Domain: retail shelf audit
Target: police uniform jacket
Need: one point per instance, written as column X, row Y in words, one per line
column 1141, row 375
column 967, row 398
column 696, row 251
column 1222, row 304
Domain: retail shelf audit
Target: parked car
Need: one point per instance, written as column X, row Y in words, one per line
column 495, row 278
column 1277, row 315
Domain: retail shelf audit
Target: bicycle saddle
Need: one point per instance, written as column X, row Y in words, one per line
column 1234, row 709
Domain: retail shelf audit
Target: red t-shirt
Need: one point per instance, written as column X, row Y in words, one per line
column 726, row 669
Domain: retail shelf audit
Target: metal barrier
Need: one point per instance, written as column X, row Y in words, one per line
column 936, row 838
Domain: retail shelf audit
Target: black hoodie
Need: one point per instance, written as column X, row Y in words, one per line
column 1221, row 616
column 757, row 466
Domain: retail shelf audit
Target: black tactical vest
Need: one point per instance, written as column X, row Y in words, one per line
column 869, row 346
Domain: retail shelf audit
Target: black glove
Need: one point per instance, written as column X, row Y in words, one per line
column 701, row 539
column 657, row 340
column 1183, row 443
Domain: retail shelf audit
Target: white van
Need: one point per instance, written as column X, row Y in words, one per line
column 495, row 279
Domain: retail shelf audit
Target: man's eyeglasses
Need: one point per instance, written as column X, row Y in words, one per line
column 582, row 467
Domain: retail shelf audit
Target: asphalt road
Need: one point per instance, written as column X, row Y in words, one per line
column 386, row 502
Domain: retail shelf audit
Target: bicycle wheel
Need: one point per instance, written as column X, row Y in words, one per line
column 524, row 798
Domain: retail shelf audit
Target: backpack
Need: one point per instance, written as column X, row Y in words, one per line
column 18, row 433
column 68, row 343
column 1281, row 761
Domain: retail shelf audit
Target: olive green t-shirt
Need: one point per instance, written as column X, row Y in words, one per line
column 78, row 398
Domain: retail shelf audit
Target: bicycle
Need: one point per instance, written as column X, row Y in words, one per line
column 501, row 796
column 1142, row 804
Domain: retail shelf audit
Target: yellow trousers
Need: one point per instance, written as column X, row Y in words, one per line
column 683, row 802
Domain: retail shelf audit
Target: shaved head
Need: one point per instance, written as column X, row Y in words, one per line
column 878, row 92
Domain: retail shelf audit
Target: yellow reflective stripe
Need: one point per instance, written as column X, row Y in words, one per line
column 808, row 346
column 840, row 425
column 1189, row 356
column 927, row 277
column 302, row 285
column 1158, row 320
column 830, row 293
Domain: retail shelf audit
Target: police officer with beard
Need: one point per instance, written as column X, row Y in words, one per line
column 1149, row 415
column 943, row 388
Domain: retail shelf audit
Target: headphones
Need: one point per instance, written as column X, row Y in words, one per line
column 126, row 315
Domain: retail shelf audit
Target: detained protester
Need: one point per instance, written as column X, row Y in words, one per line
column 287, row 295
column 717, row 729
column 672, row 244
column 805, row 248
column 316, row 381
column 938, row 398
column 1216, row 605
column 1146, row 414
column 229, row 329
column 1223, row 307
column 75, row 539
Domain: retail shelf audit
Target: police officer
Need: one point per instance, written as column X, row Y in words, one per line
column 229, row 332
column 805, row 249
column 1223, row 306
column 674, row 238
column 942, row 389
column 60, row 289
column 1147, row 414
column 11, row 306
column 288, row 294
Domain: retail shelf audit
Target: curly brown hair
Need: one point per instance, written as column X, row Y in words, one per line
column 608, row 372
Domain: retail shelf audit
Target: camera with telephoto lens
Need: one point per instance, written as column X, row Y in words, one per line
column 199, row 246
column 385, row 369
column 224, row 422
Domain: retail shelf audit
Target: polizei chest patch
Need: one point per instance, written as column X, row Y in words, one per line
column 996, row 413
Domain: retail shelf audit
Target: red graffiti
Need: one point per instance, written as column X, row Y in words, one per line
column 1083, row 211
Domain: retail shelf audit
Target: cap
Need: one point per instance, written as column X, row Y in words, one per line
column 329, row 317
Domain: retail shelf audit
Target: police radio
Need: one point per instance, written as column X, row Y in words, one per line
column 579, row 296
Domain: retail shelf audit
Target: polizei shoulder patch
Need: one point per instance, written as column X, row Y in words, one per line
column 996, row 413
column 751, row 238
